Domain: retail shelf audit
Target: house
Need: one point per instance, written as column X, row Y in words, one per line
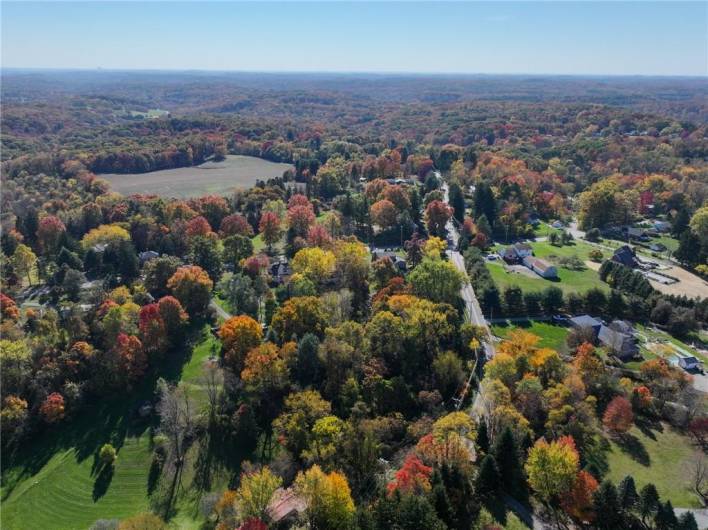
column 657, row 247
column 510, row 255
column 99, row 247
column 541, row 267
column 637, row 234
column 285, row 505
column 625, row 256
column 586, row 321
column 397, row 260
column 662, row 226
column 688, row 363
column 523, row 250
column 147, row 256
column 280, row 271
column 623, row 345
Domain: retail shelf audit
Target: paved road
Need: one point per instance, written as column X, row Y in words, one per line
column 474, row 311
column 219, row 310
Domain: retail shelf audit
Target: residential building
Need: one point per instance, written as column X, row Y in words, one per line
column 541, row 267
column 625, row 256
column 586, row 321
column 619, row 338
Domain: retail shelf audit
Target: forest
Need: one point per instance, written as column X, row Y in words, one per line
column 305, row 353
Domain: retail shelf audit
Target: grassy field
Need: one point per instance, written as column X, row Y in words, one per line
column 552, row 336
column 658, row 454
column 53, row 482
column 211, row 177
column 568, row 280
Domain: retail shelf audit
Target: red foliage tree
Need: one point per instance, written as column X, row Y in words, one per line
column 8, row 308
column 253, row 524
column 317, row 236
column 49, row 232
column 299, row 200
column 699, row 429
column 413, row 477
column 198, row 226
column 52, row 409
column 235, row 225
column 152, row 328
column 578, row 501
column 270, row 228
column 618, row 416
column 300, row 218
column 212, row 207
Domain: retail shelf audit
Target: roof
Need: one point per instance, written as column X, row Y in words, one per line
column 689, row 361
column 616, row 340
column 539, row 263
column 522, row 246
column 585, row 321
column 284, row 503
column 625, row 256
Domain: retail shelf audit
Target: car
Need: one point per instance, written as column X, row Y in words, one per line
column 559, row 319
column 491, row 257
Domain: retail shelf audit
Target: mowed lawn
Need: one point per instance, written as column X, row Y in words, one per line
column 66, row 493
column 552, row 336
column 656, row 454
column 568, row 280
column 53, row 482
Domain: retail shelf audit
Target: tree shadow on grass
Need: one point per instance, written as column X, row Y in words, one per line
column 102, row 482
column 649, row 426
column 630, row 444
column 595, row 457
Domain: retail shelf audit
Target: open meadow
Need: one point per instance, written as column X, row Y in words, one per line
column 208, row 178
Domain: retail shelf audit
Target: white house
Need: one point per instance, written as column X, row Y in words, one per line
column 541, row 267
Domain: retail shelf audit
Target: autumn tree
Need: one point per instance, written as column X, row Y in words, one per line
column 49, row 233
column 238, row 335
column 552, row 467
column 255, row 492
column 24, row 261
column 314, row 263
column 384, row 213
column 299, row 315
column 53, row 408
column 192, row 286
column 300, row 217
column 413, row 477
column 437, row 214
column 578, row 502
column 271, row 229
column 131, row 354
column 173, row 315
column 301, row 412
column 104, row 235
column 235, row 225
column 152, row 329
column 618, row 416
column 328, row 498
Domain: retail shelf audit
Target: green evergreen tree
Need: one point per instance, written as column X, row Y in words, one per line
column 687, row 522
column 648, row 502
column 506, row 454
column 483, row 438
column 627, row 492
column 606, row 503
column 488, row 481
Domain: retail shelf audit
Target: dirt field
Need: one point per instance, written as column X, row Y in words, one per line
column 690, row 285
column 211, row 177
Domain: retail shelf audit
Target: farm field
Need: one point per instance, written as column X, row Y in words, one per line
column 552, row 336
column 210, row 177
column 655, row 453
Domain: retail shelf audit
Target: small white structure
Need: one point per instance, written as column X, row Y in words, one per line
column 541, row 267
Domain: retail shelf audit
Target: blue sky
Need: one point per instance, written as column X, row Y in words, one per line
column 647, row 38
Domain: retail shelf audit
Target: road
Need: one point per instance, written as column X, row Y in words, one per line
column 474, row 311
column 219, row 310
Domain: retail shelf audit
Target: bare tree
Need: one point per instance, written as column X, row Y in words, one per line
column 212, row 379
column 699, row 477
column 176, row 420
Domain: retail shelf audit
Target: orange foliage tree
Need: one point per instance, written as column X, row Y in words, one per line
column 239, row 335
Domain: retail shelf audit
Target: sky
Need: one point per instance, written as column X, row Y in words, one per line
column 597, row 38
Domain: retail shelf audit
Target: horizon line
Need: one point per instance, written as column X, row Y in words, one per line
column 340, row 72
